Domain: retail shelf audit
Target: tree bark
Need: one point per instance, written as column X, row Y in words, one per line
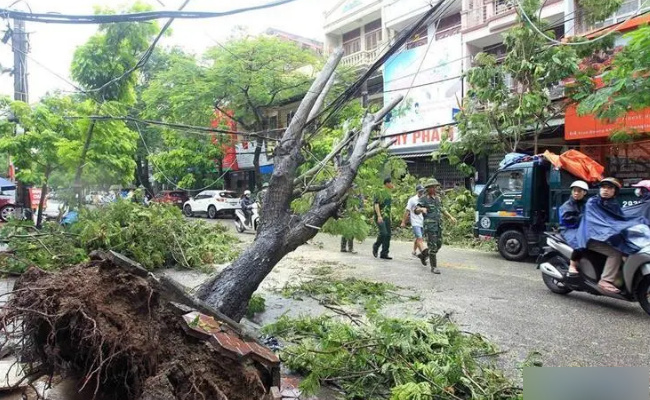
column 256, row 163
column 282, row 231
column 41, row 203
column 82, row 163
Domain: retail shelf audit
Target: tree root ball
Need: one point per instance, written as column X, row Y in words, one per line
column 114, row 332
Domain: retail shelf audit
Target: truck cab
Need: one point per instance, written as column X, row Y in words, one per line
column 521, row 202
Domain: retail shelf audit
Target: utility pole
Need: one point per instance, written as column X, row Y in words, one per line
column 19, row 47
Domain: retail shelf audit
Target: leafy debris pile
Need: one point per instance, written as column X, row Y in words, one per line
column 156, row 236
column 392, row 358
column 328, row 290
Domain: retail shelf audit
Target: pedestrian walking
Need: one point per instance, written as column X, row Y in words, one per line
column 417, row 222
column 347, row 241
column 430, row 206
column 382, row 208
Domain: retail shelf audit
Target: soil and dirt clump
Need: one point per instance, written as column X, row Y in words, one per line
column 121, row 337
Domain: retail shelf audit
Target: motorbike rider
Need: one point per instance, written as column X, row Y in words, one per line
column 642, row 190
column 606, row 203
column 246, row 204
column 570, row 215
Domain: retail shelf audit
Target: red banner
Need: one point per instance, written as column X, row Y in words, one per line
column 228, row 140
column 589, row 127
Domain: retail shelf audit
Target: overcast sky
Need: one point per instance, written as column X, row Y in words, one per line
column 53, row 44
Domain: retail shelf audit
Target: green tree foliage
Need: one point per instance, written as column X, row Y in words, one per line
column 598, row 10
column 157, row 236
column 400, row 359
column 244, row 76
column 188, row 160
column 111, row 52
column 625, row 84
column 109, row 155
column 40, row 151
column 497, row 115
column 104, row 67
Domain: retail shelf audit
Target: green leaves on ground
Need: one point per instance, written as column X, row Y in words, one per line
column 339, row 292
column 400, row 359
column 157, row 236
column 256, row 304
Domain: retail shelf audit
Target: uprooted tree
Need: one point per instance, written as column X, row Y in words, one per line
column 283, row 231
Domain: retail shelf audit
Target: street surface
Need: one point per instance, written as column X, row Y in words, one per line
column 507, row 302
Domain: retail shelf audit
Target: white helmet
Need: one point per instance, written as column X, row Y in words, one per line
column 580, row 184
column 247, row 193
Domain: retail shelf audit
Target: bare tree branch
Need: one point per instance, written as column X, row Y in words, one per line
column 321, row 98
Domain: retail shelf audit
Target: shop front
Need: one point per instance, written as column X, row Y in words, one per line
column 628, row 161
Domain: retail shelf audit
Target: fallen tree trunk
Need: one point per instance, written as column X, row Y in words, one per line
column 283, row 231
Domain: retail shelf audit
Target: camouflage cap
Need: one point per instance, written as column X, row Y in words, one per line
column 431, row 182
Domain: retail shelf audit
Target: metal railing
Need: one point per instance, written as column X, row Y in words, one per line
column 483, row 11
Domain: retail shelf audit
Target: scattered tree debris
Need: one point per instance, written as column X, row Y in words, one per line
column 331, row 291
column 392, row 358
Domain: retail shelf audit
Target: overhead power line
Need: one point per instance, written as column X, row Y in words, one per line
column 202, row 129
column 51, row 18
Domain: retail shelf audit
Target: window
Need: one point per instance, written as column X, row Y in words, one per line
column 418, row 39
column 373, row 34
column 505, row 183
column 228, row 195
column 290, row 115
column 352, row 42
column 448, row 26
column 498, row 50
column 273, row 122
column 627, row 8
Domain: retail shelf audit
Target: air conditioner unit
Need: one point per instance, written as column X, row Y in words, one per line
column 556, row 92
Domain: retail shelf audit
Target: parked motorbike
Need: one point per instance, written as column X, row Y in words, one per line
column 554, row 264
column 240, row 219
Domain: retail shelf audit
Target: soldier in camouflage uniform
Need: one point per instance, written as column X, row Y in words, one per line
column 430, row 205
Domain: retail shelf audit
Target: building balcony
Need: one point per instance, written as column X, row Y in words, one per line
column 486, row 20
column 482, row 13
column 362, row 59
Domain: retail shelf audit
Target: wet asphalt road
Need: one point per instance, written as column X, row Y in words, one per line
column 506, row 302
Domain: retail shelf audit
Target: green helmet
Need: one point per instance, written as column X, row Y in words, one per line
column 265, row 185
column 431, row 182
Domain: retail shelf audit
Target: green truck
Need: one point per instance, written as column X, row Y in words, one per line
column 521, row 202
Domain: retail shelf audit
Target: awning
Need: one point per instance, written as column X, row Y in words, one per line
column 412, row 155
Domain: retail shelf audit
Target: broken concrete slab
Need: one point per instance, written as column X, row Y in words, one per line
column 11, row 373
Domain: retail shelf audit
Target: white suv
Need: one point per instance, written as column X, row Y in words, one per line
column 212, row 203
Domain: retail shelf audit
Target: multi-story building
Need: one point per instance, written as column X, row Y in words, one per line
column 427, row 71
column 629, row 162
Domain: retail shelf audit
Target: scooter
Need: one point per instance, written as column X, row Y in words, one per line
column 240, row 219
column 554, row 264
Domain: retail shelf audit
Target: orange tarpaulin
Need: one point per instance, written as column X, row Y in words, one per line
column 578, row 164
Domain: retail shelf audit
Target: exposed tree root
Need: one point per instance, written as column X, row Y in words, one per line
column 115, row 331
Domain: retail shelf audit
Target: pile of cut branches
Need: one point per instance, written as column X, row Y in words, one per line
column 156, row 236
column 386, row 358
